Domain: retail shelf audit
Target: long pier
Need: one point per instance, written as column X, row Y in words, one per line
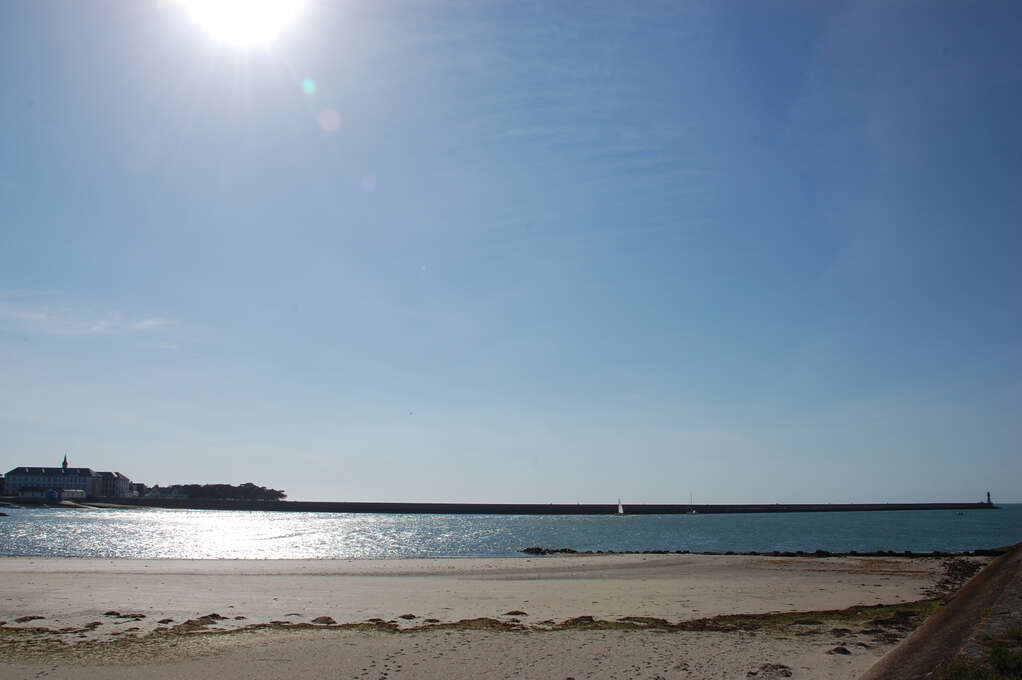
column 533, row 508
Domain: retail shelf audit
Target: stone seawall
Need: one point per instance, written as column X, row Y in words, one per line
column 531, row 508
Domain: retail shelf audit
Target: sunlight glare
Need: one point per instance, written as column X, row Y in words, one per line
column 243, row 22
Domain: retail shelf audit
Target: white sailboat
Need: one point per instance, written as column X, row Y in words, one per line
column 620, row 508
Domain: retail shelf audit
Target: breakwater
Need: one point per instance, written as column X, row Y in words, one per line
column 533, row 508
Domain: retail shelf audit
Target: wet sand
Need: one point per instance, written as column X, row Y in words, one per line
column 610, row 616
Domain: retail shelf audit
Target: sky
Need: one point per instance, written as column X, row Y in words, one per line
column 511, row 251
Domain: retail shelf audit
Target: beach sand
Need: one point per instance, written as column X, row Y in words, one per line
column 600, row 616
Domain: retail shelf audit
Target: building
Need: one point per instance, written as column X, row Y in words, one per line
column 114, row 485
column 35, row 481
column 39, row 492
column 51, row 495
column 165, row 492
column 42, row 478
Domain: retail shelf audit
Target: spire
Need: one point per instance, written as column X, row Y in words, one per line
column 64, row 464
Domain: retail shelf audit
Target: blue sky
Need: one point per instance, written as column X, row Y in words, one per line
column 508, row 251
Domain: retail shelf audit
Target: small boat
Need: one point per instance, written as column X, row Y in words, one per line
column 620, row 508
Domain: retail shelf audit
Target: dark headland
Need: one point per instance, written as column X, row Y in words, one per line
column 534, row 508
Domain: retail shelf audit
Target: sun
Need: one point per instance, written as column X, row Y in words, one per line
column 243, row 23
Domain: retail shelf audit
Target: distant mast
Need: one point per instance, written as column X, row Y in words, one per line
column 63, row 466
column 989, row 502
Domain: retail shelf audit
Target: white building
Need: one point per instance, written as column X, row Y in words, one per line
column 42, row 478
column 24, row 481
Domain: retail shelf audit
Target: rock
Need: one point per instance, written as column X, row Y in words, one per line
column 536, row 550
column 840, row 649
column 112, row 612
column 324, row 620
column 408, row 617
column 166, row 621
column 515, row 612
column 26, row 619
column 770, row 671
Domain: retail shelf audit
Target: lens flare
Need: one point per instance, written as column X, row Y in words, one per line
column 309, row 86
column 329, row 120
column 243, row 23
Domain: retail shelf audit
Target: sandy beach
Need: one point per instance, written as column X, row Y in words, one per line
column 600, row 616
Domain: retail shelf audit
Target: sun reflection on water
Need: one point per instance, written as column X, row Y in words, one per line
column 211, row 534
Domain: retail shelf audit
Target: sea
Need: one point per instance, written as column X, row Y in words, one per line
column 151, row 533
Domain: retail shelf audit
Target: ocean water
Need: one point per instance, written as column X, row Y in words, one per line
column 149, row 533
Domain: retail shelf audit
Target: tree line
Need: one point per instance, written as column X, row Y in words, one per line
column 247, row 491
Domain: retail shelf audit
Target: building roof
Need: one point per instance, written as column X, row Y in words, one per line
column 54, row 472
column 115, row 475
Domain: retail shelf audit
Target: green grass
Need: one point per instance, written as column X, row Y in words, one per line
column 1003, row 660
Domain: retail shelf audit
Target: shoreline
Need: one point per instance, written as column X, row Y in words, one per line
column 512, row 508
column 540, row 552
column 731, row 614
column 819, row 553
